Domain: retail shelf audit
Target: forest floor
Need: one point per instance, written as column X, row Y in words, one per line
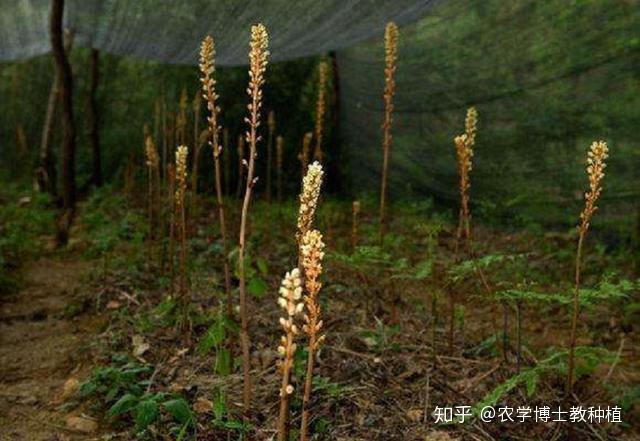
column 44, row 351
column 91, row 345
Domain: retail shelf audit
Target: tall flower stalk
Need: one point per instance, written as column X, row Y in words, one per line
column 207, row 67
column 180, row 194
column 464, row 153
column 391, row 54
column 258, row 57
column 312, row 250
column 171, row 185
column 197, row 144
column 598, row 153
column 153, row 168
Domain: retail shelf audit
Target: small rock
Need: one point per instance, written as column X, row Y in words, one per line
column 81, row 424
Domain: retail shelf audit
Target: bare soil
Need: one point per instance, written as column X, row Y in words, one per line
column 43, row 345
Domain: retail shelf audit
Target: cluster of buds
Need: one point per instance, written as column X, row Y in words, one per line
column 291, row 301
column 598, row 153
column 391, row 55
column 464, row 152
column 312, row 250
column 258, row 58
column 470, row 126
column 464, row 145
column 207, row 67
column 151, row 153
column 323, row 70
column 181, row 173
column 309, row 198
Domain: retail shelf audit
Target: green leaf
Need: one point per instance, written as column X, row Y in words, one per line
column 263, row 267
column 531, row 383
column 179, row 409
column 257, row 287
column 219, row 405
column 123, row 405
column 214, row 337
column 233, row 425
column 146, row 413
column 223, row 362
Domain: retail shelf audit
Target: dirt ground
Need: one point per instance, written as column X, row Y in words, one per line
column 43, row 349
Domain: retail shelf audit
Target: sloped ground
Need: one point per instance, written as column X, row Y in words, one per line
column 43, row 345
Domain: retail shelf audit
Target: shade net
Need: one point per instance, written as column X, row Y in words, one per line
column 547, row 78
column 171, row 31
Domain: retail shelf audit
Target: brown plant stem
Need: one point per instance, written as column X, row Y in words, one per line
column 226, row 161
column 304, row 153
column 279, row 161
column 171, row 181
column 271, row 124
column 355, row 213
column 197, row 145
column 240, row 152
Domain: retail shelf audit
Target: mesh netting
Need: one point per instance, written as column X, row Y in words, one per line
column 547, row 78
column 171, row 31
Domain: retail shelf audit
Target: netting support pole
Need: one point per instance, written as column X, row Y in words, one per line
column 94, row 119
column 63, row 71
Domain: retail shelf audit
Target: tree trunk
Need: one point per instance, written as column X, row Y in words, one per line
column 46, row 174
column 94, row 120
column 63, row 71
